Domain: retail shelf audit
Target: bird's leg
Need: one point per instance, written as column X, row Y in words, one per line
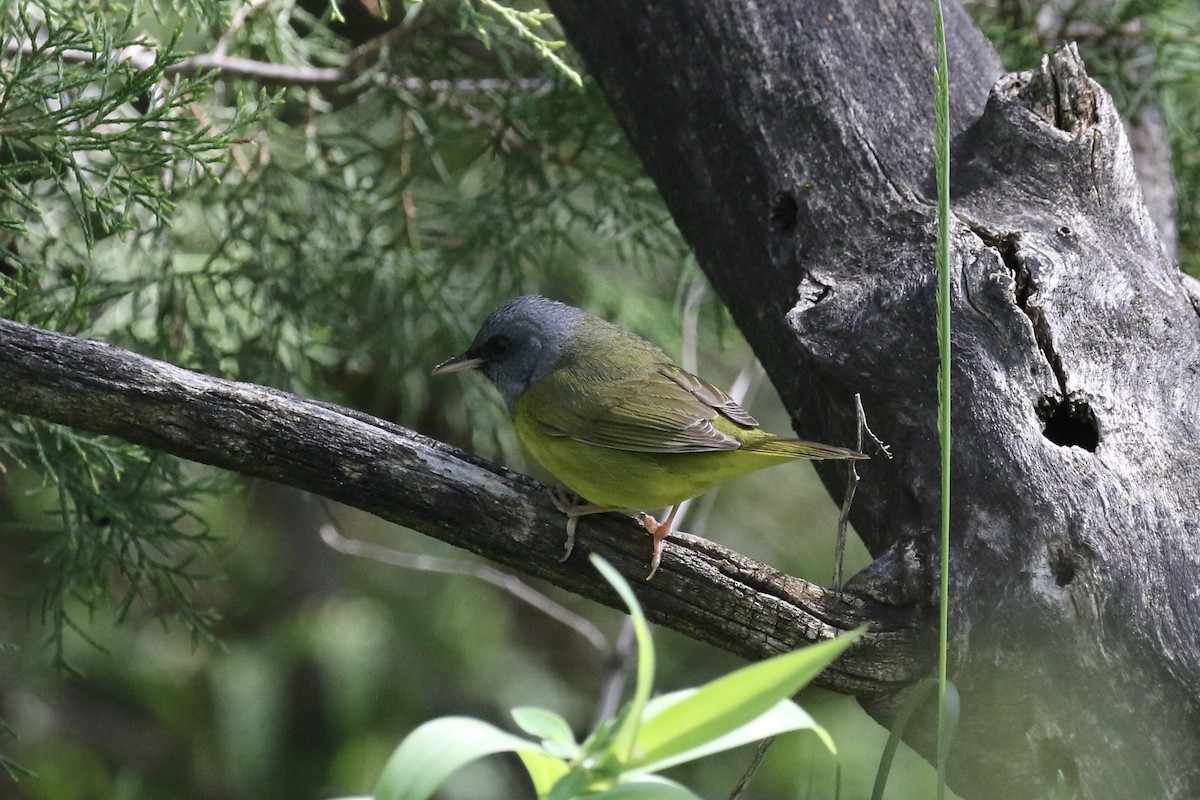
column 574, row 507
column 660, row 531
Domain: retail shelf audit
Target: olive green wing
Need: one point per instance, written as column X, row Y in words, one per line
column 667, row 410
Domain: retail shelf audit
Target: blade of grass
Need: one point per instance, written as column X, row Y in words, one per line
column 915, row 697
column 942, row 147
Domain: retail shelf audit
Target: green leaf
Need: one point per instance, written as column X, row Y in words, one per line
column 941, row 107
column 544, row 770
column 627, row 734
column 784, row 717
column 947, row 724
column 575, row 783
column 916, row 696
column 556, row 735
column 731, row 701
column 647, row 787
column 433, row 751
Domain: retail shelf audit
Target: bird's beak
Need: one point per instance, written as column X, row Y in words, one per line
column 456, row 364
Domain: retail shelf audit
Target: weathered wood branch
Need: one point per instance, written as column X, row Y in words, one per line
column 792, row 141
column 702, row 589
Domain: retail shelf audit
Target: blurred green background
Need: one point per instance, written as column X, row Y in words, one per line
column 168, row 631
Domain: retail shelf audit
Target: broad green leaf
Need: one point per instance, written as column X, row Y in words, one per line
column 544, row 770
column 784, row 717
column 627, row 734
column 556, row 735
column 733, row 700
column 647, row 787
column 433, row 751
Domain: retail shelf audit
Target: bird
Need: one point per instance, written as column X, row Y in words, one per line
column 614, row 419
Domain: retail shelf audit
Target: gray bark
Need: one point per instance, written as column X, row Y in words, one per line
column 793, row 144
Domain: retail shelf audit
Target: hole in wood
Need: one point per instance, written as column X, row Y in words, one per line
column 784, row 211
column 1069, row 423
column 1062, row 566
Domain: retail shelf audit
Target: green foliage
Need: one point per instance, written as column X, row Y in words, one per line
column 112, row 524
column 333, row 240
column 89, row 126
column 11, row 768
column 96, row 144
column 525, row 24
column 622, row 755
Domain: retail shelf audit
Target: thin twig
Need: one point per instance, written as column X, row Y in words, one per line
column 450, row 566
column 691, row 324
column 744, row 387
column 238, row 21
column 618, row 673
column 839, row 550
column 752, row 769
column 743, row 390
column 270, row 74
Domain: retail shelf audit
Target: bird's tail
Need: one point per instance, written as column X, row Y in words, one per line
column 797, row 448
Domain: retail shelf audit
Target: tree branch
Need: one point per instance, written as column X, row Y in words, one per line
column 267, row 73
column 702, row 589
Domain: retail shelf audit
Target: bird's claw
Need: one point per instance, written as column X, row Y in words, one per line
column 572, row 521
column 659, row 531
column 574, row 507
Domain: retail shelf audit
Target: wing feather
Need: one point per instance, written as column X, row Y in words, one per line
column 668, row 410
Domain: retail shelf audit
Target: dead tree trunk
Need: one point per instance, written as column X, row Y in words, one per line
column 793, row 143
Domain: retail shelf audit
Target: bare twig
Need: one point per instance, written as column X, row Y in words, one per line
column 270, row 74
column 451, row 566
column 752, row 768
column 618, row 673
column 839, row 551
column 236, row 24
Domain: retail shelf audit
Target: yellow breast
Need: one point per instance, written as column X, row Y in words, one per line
column 626, row 479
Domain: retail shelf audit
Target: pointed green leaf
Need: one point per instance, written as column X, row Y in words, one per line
column 600, row 740
column 556, row 735
column 626, row 735
column 647, row 787
column 784, row 717
column 433, row 751
column 733, row 700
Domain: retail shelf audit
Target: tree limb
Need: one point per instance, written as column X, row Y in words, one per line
column 702, row 589
column 268, row 73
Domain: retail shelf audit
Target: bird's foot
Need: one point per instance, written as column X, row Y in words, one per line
column 659, row 531
column 574, row 507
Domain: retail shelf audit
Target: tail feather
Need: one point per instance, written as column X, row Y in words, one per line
column 797, row 448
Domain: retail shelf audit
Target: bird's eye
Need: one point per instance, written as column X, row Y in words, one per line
column 499, row 345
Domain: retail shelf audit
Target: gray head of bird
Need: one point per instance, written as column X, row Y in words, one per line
column 519, row 343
